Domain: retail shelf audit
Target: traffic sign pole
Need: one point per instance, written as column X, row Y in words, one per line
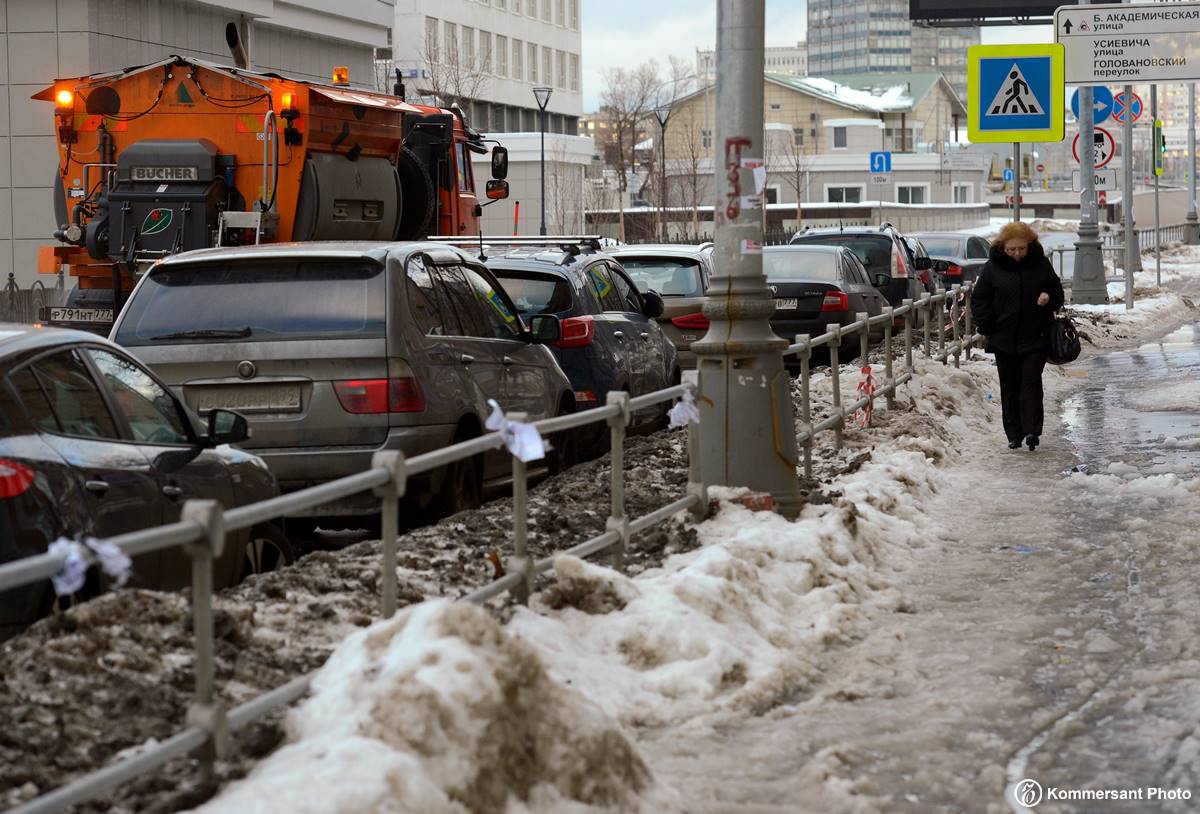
column 1193, row 223
column 1016, row 214
column 1087, row 285
column 1155, row 155
column 1131, row 248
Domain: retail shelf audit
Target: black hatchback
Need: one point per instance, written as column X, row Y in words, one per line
column 883, row 251
column 92, row 444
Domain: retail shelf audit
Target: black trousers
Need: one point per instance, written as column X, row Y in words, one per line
column 1021, row 392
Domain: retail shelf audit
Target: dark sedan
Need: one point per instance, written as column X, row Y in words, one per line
column 815, row 286
column 611, row 339
column 964, row 255
column 93, row 445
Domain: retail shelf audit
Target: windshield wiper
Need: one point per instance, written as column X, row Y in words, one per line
column 207, row 333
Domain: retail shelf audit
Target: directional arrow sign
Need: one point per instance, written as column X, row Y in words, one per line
column 1102, row 104
column 1126, row 44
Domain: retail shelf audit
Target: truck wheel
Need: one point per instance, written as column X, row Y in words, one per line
column 417, row 197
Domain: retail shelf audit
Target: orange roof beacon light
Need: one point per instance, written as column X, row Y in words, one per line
column 64, row 110
column 289, row 102
column 341, row 75
column 289, row 114
column 64, row 99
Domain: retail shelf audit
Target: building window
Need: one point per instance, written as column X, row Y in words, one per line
column 839, row 138
column 547, row 12
column 518, row 66
column 575, row 72
column 844, row 194
column 548, row 66
column 560, row 13
column 562, row 69
column 706, row 138
column 912, row 193
column 431, row 39
column 530, row 8
column 450, row 36
column 797, row 136
column 963, row 193
column 500, row 4
column 468, row 46
column 501, row 55
column 533, row 65
column 485, row 51
column 574, row 15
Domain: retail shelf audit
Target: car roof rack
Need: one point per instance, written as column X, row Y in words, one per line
column 571, row 245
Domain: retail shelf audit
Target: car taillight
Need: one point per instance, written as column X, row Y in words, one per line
column 399, row 393
column 898, row 268
column 15, row 479
column 835, row 301
column 577, row 332
column 691, row 322
column 953, row 271
column 586, row 397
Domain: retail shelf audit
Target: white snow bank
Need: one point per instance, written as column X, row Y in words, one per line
column 1144, row 310
column 439, row 710
column 1180, row 396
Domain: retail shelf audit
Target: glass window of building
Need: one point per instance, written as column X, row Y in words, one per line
column 575, row 72
column 911, row 194
column 533, row 63
column 501, row 55
column 839, row 138
column 548, row 65
column 844, row 194
column 450, row 36
column 561, row 56
column 431, row 39
column 574, row 15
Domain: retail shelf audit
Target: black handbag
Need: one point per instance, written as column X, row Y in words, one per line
column 1064, row 340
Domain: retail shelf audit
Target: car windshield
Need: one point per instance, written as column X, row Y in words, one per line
column 267, row 301
column 875, row 251
column 943, row 246
column 536, row 293
column 670, row 277
column 783, row 263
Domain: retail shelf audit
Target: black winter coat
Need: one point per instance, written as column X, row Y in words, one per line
column 1004, row 302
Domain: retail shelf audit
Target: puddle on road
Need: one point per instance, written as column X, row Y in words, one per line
column 1141, row 408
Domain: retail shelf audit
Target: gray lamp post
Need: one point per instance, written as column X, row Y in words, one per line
column 542, row 95
column 663, row 113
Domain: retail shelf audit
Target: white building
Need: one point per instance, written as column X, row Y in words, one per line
column 44, row 40
column 791, row 59
column 493, row 53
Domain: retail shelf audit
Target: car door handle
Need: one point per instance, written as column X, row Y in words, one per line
column 172, row 491
column 619, row 334
column 508, row 361
column 466, row 358
column 96, row 487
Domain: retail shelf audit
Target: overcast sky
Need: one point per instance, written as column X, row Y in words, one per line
column 629, row 32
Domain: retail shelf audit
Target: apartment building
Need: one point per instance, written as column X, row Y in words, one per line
column 488, row 55
column 789, row 59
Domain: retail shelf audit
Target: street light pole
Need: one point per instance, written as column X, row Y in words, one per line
column 1087, row 285
column 663, row 113
column 542, row 95
column 749, row 434
column 1193, row 224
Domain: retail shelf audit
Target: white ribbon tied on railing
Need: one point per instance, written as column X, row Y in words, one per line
column 685, row 411
column 70, row 577
column 523, row 440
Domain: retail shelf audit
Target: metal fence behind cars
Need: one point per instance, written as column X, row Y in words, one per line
column 202, row 528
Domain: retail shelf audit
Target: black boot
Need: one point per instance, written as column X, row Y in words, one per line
column 1014, row 444
column 1032, row 441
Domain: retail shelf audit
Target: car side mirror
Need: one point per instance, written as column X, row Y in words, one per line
column 941, row 266
column 545, row 329
column 497, row 190
column 922, row 263
column 499, row 163
column 882, row 279
column 653, row 305
column 227, row 427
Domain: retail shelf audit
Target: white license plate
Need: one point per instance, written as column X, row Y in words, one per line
column 62, row 314
column 786, row 304
column 250, row 398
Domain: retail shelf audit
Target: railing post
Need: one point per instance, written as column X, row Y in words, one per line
column 863, row 338
column 696, row 485
column 889, row 379
column 969, row 322
column 389, row 522
column 954, row 292
column 908, row 333
column 204, row 712
column 520, row 561
column 926, row 319
column 805, row 354
column 835, row 376
column 618, row 521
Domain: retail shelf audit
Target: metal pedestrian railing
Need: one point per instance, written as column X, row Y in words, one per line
column 202, row 528
column 23, row 305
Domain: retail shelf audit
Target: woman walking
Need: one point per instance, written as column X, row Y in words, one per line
column 1013, row 303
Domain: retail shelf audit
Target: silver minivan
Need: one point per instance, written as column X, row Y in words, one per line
column 334, row 351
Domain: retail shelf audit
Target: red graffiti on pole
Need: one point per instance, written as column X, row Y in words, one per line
column 733, row 159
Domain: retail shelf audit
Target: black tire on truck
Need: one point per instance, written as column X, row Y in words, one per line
column 417, row 195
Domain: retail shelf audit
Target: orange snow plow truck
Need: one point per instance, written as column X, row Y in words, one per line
column 183, row 154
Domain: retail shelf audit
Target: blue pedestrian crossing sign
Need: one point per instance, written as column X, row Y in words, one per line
column 881, row 162
column 1015, row 93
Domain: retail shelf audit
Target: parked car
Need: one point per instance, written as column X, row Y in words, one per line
column 93, row 444
column 815, row 286
column 335, row 351
column 680, row 274
column 964, row 255
column 611, row 338
column 882, row 251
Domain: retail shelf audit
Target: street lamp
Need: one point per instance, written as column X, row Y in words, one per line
column 542, row 95
column 663, row 113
